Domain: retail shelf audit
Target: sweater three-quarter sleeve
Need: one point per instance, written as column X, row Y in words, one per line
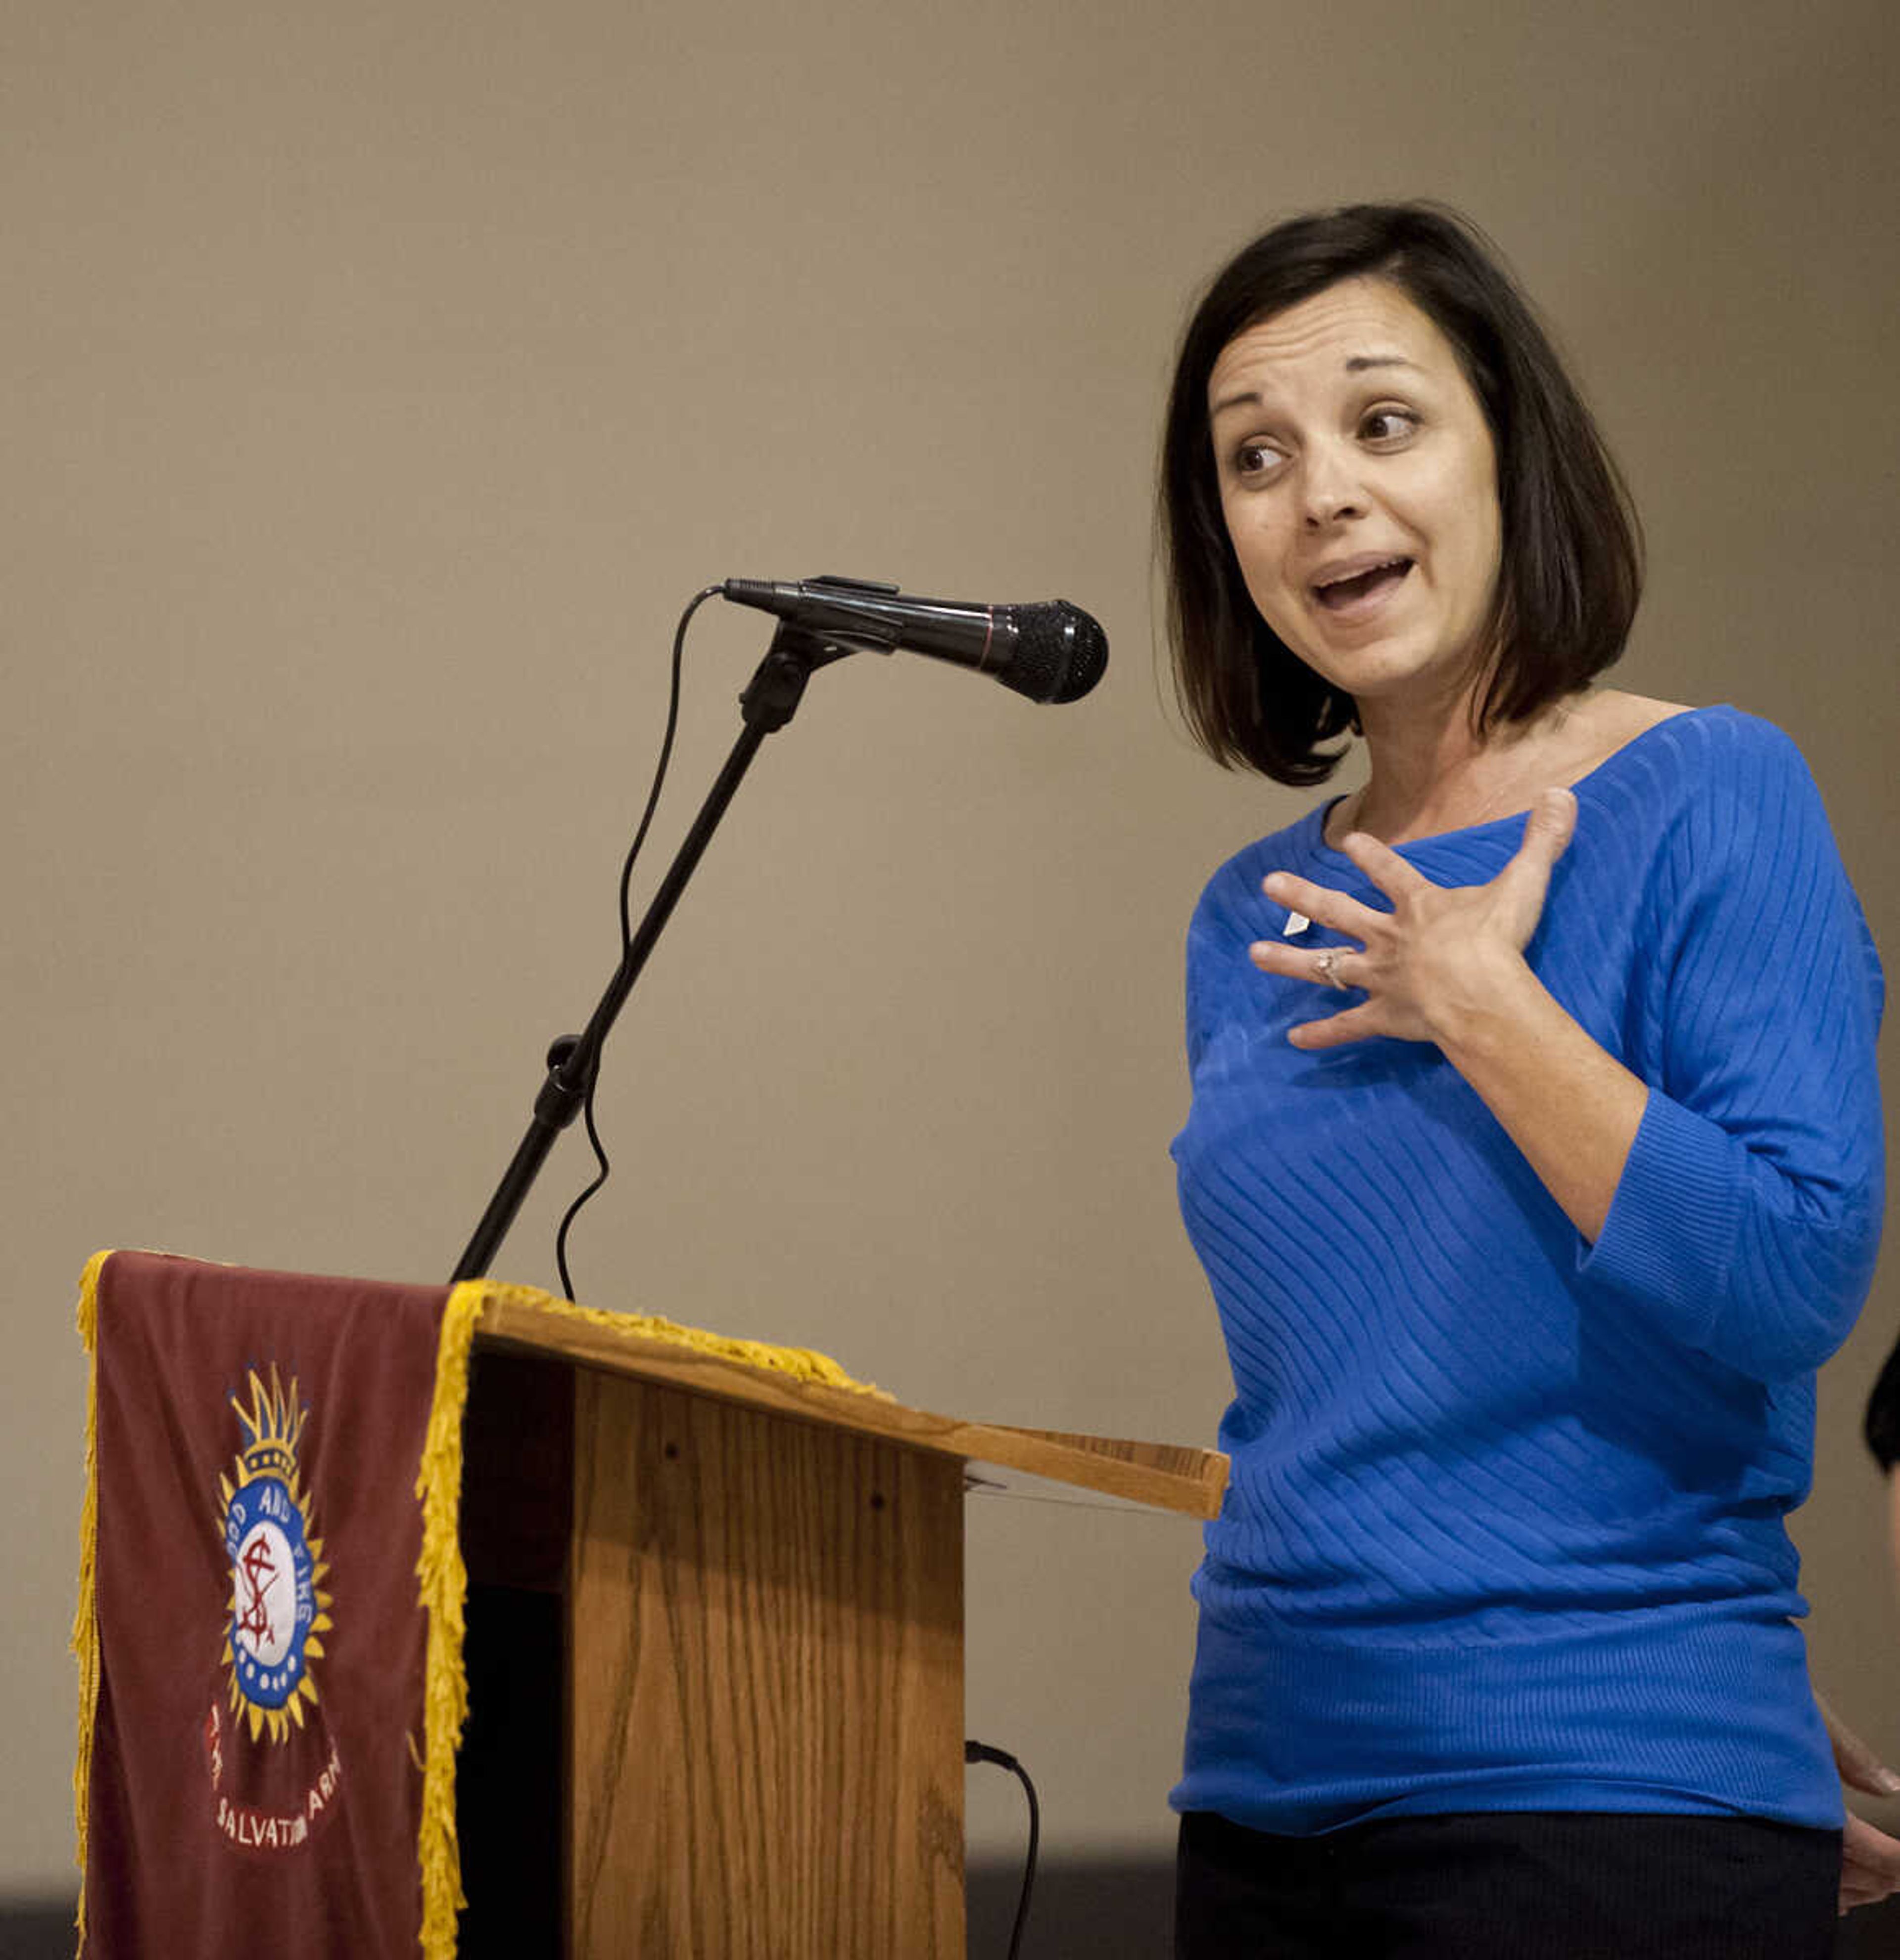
column 1747, row 1217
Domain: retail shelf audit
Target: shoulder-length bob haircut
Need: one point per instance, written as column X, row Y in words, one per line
column 1572, row 563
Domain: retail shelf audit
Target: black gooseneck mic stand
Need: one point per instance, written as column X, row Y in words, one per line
column 771, row 699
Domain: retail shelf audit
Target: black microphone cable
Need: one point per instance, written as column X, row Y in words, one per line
column 1052, row 652
column 981, row 1752
column 626, row 924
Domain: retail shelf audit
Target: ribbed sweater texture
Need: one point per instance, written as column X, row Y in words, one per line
column 1505, row 1525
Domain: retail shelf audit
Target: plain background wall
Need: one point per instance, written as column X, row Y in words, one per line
column 381, row 380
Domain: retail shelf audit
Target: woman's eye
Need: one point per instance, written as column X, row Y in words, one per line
column 1255, row 459
column 1389, row 425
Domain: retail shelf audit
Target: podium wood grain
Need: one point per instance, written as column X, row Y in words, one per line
column 760, row 1697
column 765, row 1672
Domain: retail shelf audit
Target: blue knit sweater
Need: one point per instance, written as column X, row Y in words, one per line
column 1505, row 1525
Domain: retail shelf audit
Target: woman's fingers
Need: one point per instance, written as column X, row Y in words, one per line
column 1318, row 902
column 1548, row 831
column 1360, row 1023
column 1384, row 865
column 1551, row 822
column 1319, row 964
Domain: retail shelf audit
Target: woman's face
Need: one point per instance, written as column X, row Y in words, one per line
column 1360, row 487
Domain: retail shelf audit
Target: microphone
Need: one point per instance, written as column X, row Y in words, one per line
column 1050, row 652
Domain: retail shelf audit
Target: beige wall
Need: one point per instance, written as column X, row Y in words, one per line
column 380, row 381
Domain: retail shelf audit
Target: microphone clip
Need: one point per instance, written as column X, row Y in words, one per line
column 770, row 697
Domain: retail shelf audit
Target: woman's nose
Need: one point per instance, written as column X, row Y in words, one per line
column 1332, row 490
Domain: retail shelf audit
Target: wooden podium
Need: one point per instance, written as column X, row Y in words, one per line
column 715, row 1650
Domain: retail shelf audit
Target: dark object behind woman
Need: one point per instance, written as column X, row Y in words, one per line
column 1534, row 1160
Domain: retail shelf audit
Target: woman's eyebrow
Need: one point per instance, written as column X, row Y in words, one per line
column 1356, row 363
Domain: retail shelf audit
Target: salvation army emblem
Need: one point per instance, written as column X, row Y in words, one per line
column 278, row 1608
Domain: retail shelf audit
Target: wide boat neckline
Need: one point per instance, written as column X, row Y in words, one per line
column 1323, row 815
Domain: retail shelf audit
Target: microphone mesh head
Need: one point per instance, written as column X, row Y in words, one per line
column 1061, row 652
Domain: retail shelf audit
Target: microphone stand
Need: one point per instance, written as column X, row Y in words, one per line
column 770, row 700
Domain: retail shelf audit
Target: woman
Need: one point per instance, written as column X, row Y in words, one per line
column 1534, row 1159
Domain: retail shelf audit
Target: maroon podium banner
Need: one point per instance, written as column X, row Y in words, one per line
column 254, row 1649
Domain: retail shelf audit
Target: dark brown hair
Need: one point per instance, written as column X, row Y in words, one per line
column 1572, row 570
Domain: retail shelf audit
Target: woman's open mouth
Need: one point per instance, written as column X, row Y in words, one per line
column 1362, row 591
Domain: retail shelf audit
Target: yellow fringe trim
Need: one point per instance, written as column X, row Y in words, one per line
column 443, row 1578
column 443, row 1592
column 805, row 1364
column 85, row 1618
